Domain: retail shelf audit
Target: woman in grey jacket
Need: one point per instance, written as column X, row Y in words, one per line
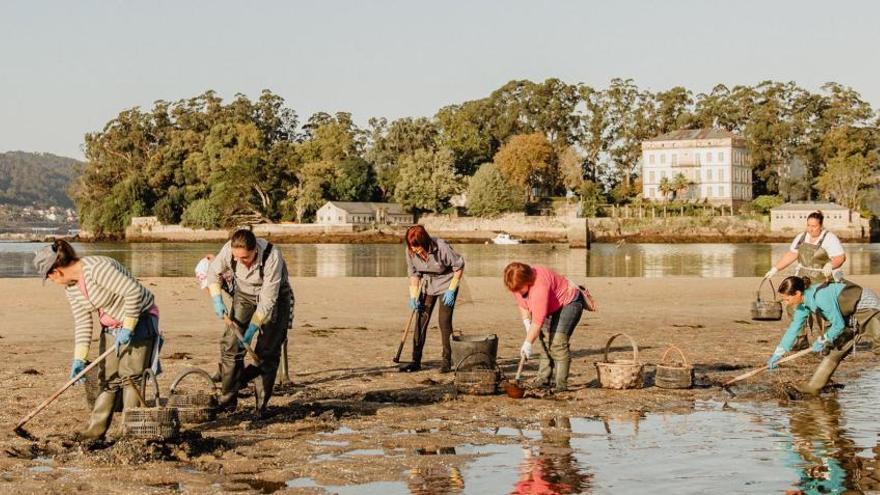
column 128, row 316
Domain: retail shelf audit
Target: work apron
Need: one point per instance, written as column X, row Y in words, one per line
column 811, row 259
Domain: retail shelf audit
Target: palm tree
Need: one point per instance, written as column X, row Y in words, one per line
column 680, row 183
column 665, row 187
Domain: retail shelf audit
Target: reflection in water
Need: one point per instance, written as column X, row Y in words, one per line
column 819, row 448
column 551, row 468
column 386, row 260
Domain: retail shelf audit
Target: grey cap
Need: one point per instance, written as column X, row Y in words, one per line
column 43, row 261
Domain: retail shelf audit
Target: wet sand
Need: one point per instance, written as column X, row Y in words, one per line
column 345, row 333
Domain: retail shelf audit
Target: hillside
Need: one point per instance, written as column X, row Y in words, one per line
column 37, row 179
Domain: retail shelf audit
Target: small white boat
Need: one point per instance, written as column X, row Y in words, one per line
column 503, row 238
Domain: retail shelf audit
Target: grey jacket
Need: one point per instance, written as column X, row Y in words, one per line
column 438, row 269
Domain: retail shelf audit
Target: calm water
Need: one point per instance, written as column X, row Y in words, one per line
column 827, row 445
column 386, row 260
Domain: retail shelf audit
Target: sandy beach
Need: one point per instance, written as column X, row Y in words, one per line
column 345, row 333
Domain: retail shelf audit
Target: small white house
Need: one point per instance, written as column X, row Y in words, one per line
column 361, row 213
column 793, row 217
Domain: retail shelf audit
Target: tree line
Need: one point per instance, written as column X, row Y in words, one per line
column 205, row 162
column 36, row 179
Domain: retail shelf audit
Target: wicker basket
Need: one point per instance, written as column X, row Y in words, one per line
column 482, row 381
column 620, row 373
column 152, row 419
column 194, row 408
column 766, row 310
column 673, row 374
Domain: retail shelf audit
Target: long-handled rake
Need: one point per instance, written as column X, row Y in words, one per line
column 19, row 429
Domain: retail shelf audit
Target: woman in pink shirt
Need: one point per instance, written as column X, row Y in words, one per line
column 551, row 307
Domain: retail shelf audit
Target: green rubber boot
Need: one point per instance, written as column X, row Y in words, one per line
column 823, row 372
column 102, row 413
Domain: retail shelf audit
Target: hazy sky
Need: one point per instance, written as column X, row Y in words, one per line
column 67, row 67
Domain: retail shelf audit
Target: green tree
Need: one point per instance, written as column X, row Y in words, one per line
column 591, row 197
column 665, row 187
column 427, row 181
column 388, row 143
column 490, row 194
column 679, row 185
column 201, row 214
column 527, row 162
column 847, row 178
column 353, row 180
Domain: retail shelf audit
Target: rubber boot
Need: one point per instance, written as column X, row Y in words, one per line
column 263, row 387
column 823, row 373
column 130, row 397
column 230, row 381
column 102, row 413
column 561, row 355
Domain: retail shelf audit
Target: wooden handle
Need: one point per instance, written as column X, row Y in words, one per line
column 237, row 330
column 66, row 386
column 403, row 336
column 755, row 371
column 522, row 361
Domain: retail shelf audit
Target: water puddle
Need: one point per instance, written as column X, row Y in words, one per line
column 825, row 445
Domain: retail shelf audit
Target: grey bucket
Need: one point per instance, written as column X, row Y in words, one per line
column 474, row 351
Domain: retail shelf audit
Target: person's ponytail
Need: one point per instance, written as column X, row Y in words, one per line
column 66, row 254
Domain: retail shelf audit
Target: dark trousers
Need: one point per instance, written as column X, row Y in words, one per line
column 268, row 344
column 444, row 315
column 553, row 349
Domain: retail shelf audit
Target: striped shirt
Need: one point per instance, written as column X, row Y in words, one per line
column 112, row 290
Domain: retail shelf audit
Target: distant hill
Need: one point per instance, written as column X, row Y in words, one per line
column 38, row 179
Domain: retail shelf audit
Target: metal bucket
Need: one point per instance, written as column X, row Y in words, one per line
column 766, row 310
column 152, row 419
column 474, row 352
column 194, row 407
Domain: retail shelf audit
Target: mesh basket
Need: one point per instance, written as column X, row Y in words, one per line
column 476, row 381
column 194, row 407
column 151, row 420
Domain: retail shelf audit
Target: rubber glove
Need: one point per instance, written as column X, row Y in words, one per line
column 449, row 298
column 249, row 335
column 526, row 350
column 414, row 302
column 826, row 270
column 123, row 337
column 76, row 368
column 527, row 324
column 819, row 344
column 773, row 271
column 219, row 307
column 777, row 355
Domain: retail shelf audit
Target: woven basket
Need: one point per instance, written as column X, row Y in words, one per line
column 151, row 420
column 673, row 374
column 620, row 373
column 480, row 381
column 194, row 408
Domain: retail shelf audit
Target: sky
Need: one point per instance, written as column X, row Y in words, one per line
column 68, row 67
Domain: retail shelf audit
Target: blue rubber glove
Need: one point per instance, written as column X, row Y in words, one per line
column 819, row 344
column 219, row 307
column 249, row 335
column 76, row 368
column 414, row 303
column 123, row 337
column 449, row 298
column 777, row 355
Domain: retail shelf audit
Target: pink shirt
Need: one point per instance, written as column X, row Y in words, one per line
column 548, row 295
column 106, row 320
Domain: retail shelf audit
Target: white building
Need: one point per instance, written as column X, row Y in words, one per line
column 356, row 213
column 792, row 217
column 714, row 161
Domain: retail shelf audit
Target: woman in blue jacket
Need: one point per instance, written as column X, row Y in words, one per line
column 851, row 311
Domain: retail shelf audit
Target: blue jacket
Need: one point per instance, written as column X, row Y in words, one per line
column 825, row 301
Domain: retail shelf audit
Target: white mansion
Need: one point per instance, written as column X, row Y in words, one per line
column 715, row 163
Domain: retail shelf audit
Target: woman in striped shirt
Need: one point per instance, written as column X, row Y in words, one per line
column 101, row 286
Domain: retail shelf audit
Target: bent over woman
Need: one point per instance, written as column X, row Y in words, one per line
column 852, row 312
column 129, row 320
column 550, row 307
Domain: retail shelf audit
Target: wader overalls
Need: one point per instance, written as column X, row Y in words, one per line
column 811, row 259
column 861, row 323
column 268, row 346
